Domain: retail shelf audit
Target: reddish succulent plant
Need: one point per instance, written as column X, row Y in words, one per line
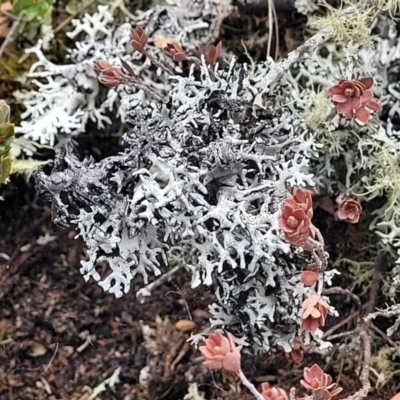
column 353, row 98
column 297, row 353
column 139, row 39
column 107, row 74
column 319, row 383
column 296, row 218
column 349, row 210
column 211, row 54
column 111, row 78
column 175, row 51
column 102, row 65
column 273, row 393
column 315, row 311
column 221, row 352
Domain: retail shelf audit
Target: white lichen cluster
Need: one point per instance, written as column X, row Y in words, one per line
column 205, row 170
column 68, row 96
column 209, row 161
column 305, row 7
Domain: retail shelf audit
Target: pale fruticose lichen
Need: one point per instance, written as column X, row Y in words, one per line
column 68, row 96
column 369, row 153
column 306, row 7
column 201, row 183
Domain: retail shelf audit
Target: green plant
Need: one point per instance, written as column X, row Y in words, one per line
column 6, row 137
column 34, row 13
column 33, row 9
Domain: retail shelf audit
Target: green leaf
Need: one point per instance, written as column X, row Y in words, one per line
column 19, row 5
column 6, row 132
column 32, row 31
column 4, row 112
column 31, row 13
column 42, row 8
column 72, row 8
column 5, row 168
column 33, row 8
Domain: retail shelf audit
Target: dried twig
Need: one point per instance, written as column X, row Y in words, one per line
column 364, row 377
column 381, row 260
column 270, row 23
column 11, row 32
column 51, row 360
column 147, row 89
column 250, row 386
column 276, row 20
column 386, row 337
column 146, row 291
column 343, row 334
column 71, row 17
column 355, row 298
column 330, row 331
column 157, row 64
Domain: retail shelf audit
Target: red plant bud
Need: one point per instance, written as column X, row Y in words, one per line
column 308, row 277
column 349, row 210
column 174, row 51
column 139, row 39
column 273, row 393
column 297, row 353
column 101, row 65
column 111, row 77
column 296, row 218
column 211, row 54
column 304, row 200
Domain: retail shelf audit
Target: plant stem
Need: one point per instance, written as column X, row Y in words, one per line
column 11, row 32
column 250, row 386
column 158, row 64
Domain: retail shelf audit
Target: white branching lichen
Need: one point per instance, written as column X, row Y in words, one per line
column 206, row 170
column 211, row 157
